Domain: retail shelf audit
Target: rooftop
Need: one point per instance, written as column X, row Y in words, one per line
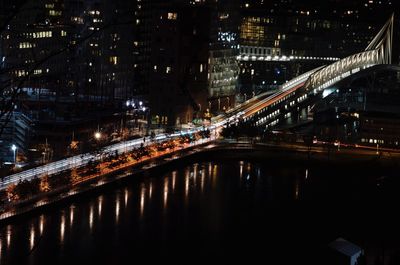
column 345, row 247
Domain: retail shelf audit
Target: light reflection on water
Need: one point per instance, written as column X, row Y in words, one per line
column 100, row 205
column 91, row 217
column 32, row 237
column 142, row 198
column 203, row 177
column 173, row 180
column 150, row 198
column 126, row 194
column 41, row 224
column 8, row 236
column 297, row 189
column 71, row 215
column 165, row 193
column 187, row 173
column 62, row 228
column 117, row 208
column 150, row 189
column 193, row 180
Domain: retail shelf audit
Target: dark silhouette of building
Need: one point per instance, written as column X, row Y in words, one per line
column 188, row 59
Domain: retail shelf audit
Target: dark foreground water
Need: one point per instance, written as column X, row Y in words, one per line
column 225, row 212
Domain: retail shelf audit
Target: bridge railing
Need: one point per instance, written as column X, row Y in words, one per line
column 338, row 70
column 379, row 51
column 301, row 78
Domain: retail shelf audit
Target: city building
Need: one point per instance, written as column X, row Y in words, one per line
column 71, row 65
column 187, row 59
column 73, row 48
column 379, row 129
column 282, row 39
column 16, row 132
column 363, row 108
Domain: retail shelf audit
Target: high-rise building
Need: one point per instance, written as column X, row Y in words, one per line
column 72, row 63
column 187, row 59
column 73, row 48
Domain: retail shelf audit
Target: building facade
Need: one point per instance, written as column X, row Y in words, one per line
column 69, row 62
column 188, row 60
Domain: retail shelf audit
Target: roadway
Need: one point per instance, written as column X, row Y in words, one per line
column 245, row 109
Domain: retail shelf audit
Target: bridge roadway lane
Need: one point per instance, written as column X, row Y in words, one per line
column 247, row 108
column 270, row 100
column 78, row 161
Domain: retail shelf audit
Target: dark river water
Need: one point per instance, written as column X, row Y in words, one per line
column 225, row 212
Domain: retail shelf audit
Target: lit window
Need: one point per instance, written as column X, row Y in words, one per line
column 172, row 16
column 55, row 13
column 37, row 71
column 25, row 45
column 77, row 20
column 114, row 60
column 63, row 33
column 201, row 68
column 168, row 69
column 20, row 73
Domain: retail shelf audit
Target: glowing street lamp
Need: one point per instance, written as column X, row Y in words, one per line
column 14, row 148
column 97, row 135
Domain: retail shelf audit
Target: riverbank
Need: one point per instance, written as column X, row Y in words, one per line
column 103, row 179
column 278, row 154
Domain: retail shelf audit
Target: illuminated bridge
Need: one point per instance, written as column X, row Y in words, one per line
column 297, row 96
column 265, row 110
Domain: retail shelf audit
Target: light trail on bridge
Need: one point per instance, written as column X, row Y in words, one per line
column 245, row 109
column 271, row 100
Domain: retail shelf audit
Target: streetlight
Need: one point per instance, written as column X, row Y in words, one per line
column 14, row 148
column 147, row 116
column 97, row 135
